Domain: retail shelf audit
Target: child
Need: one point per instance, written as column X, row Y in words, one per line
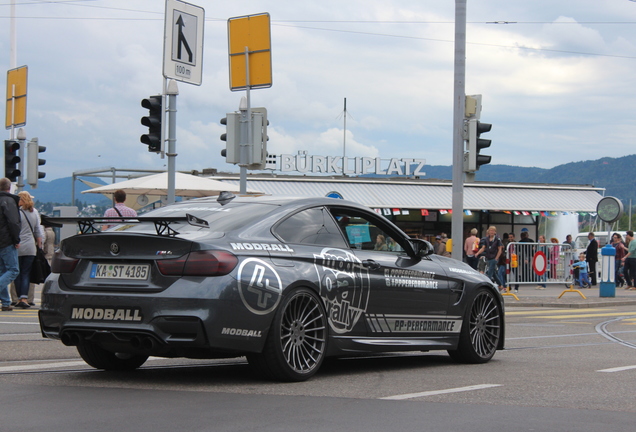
column 582, row 280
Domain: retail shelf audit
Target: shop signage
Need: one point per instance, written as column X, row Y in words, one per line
column 305, row 163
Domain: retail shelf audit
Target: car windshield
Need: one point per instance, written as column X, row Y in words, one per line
column 220, row 218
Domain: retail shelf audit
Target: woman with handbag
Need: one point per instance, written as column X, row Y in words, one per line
column 30, row 240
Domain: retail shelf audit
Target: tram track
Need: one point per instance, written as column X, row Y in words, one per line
column 601, row 329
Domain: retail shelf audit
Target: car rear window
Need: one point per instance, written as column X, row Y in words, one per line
column 221, row 218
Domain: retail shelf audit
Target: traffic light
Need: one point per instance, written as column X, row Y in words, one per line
column 476, row 144
column 232, row 123
column 154, row 105
column 258, row 153
column 34, row 162
column 11, row 160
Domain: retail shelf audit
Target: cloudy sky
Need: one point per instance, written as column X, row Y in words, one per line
column 557, row 79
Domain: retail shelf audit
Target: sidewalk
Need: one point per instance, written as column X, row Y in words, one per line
column 549, row 297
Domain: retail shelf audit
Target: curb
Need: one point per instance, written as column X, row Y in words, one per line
column 563, row 302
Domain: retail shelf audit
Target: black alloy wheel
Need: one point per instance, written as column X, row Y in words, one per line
column 481, row 330
column 297, row 341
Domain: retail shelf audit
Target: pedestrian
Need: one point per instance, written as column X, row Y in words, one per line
column 438, row 244
column 119, row 209
column 441, row 247
column 471, row 246
column 621, row 251
column 501, row 265
column 513, row 260
column 569, row 241
column 9, row 241
column 630, row 261
column 380, row 243
column 32, row 286
column 48, row 247
column 491, row 247
column 555, row 255
column 30, row 240
column 392, row 244
column 48, row 244
column 525, row 254
column 591, row 256
column 581, row 265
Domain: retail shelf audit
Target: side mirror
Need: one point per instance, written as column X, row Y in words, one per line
column 421, row 247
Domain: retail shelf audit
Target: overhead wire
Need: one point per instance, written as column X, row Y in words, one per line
column 284, row 23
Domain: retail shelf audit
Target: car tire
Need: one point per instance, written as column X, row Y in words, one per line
column 481, row 331
column 297, row 341
column 99, row 358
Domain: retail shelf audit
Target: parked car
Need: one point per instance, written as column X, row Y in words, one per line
column 285, row 282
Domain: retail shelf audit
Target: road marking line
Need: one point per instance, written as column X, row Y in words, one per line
column 41, row 366
column 585, row 315
column 17, row 368
column 552, row 311
column 617, row 369
column 438, row 392
column 18, row 323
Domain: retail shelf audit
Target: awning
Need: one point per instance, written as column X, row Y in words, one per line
column 157, row 184
column 426, row 194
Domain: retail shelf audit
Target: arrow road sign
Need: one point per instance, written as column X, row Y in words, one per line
column 183, row 42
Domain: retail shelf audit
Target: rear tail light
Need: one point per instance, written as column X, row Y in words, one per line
column 199, row 263
column 63, row 264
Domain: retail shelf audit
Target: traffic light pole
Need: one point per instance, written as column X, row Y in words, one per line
column 246, row 127
column 459, row 108
column 172, row 93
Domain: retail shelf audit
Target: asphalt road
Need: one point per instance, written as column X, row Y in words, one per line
column 564, row 369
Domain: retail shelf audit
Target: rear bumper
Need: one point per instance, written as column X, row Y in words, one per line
column 168, row 323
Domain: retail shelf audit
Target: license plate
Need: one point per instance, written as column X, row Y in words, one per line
column 120, row 271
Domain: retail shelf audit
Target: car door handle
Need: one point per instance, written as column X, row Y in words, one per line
column 371, row 264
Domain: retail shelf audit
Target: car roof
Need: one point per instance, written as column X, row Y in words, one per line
column 279, row 200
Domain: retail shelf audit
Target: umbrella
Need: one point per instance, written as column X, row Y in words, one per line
column 186, row 185
column 134, row 201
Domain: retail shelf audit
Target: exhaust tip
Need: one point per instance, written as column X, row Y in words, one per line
column 147, row 343
column 71, row 338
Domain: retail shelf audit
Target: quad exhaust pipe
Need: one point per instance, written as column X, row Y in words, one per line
column 71, row 338
column 144, row 342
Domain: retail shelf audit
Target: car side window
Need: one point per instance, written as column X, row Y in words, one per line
column 313, row 226
column 365, row 232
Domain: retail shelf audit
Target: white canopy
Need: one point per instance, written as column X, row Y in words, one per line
column 186, row 185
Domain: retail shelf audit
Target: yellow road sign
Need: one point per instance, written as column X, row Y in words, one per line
column 16, row 97
column 249, row 42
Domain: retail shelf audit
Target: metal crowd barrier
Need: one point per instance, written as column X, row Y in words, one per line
column 540, row 264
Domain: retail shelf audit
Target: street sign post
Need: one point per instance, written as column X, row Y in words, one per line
column 16, row 97
column 183, row 42
column 249, row 47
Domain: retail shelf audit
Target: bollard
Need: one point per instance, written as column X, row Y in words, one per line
column 608, row 282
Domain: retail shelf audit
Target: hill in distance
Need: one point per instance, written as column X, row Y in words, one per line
column 60, row 191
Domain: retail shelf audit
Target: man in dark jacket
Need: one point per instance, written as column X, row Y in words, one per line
column 591, row 256
column 9, row 241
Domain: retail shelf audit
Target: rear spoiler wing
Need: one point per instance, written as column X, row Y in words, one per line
column 162, row 224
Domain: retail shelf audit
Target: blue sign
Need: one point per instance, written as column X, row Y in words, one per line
column 334, row 194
